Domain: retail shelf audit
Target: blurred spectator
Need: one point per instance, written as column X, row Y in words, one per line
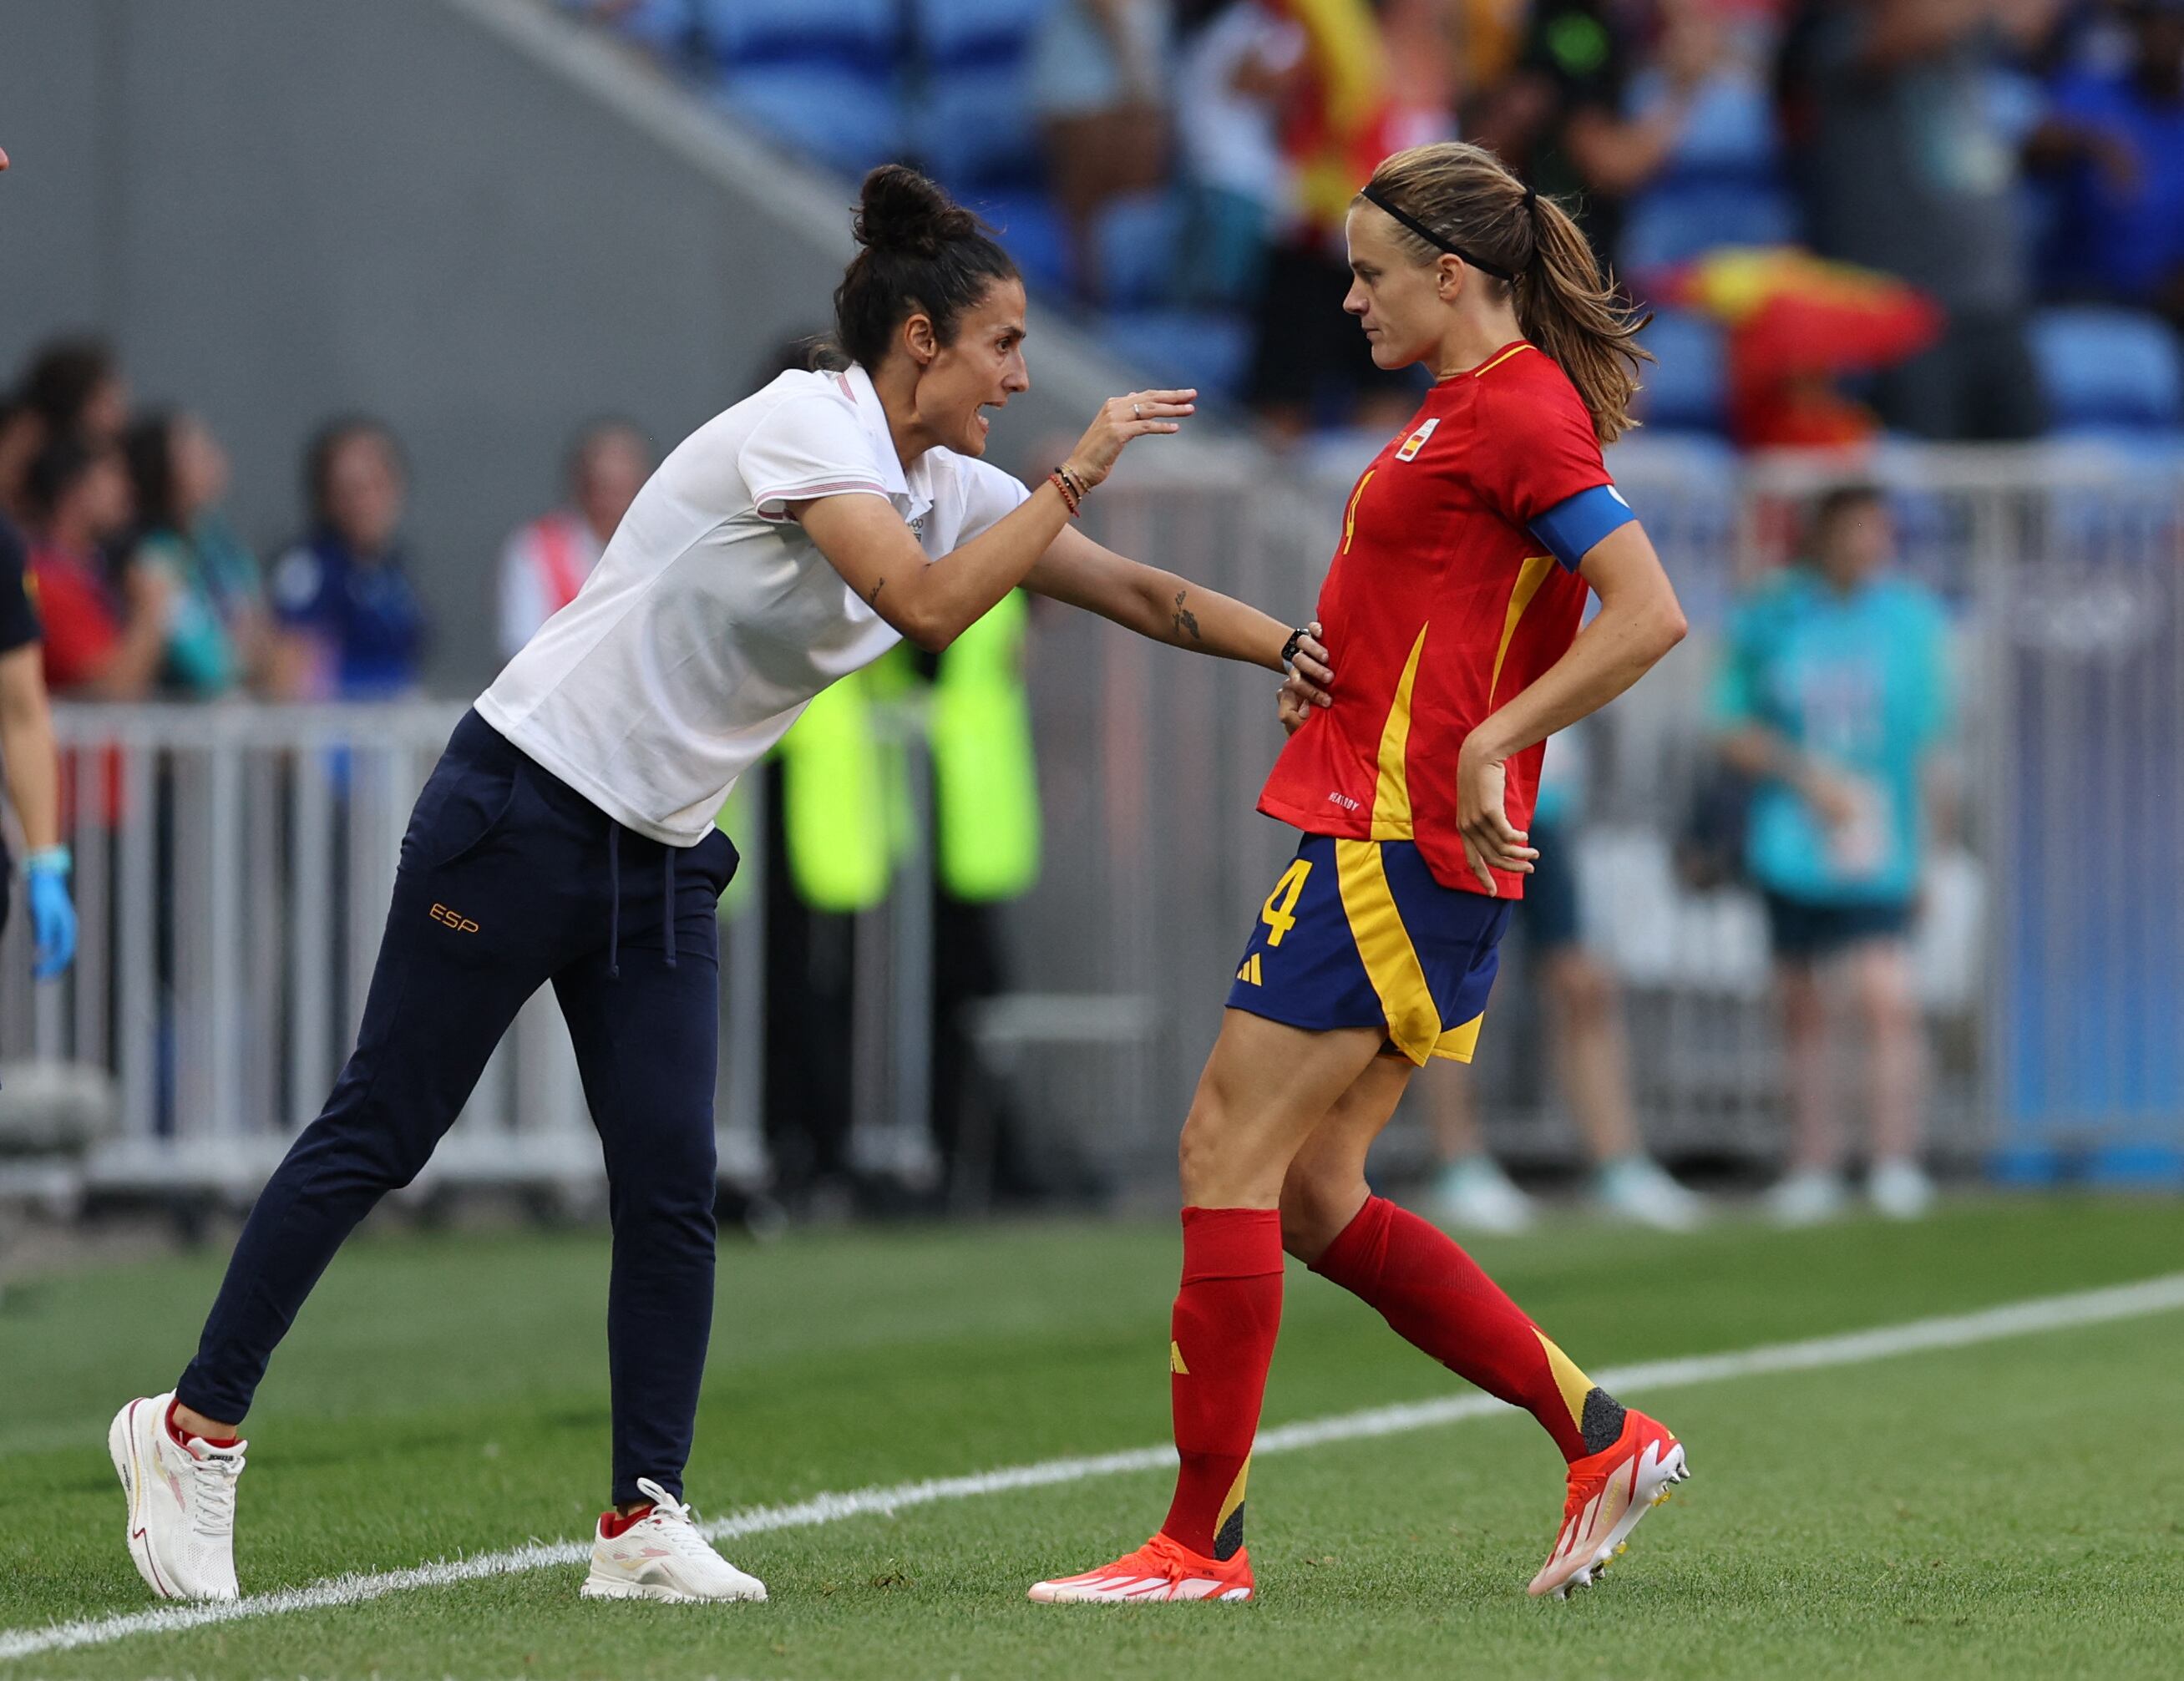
column 98, row 643
column 1239, row 62
column 32, row 765
column 1906, row 167
column 74, row 386
column 355, row 629
column 1568, row 119
column 1310, row 364
column 545, row 563
column 22, row 434
column 70, row 387
column 1835, row 695
column 2119, row 132
column 1099, row 86
column 216, row 629
column 1581, row 1002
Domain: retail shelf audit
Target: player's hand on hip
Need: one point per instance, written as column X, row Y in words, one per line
column 1134, row 414
column 1491, row 841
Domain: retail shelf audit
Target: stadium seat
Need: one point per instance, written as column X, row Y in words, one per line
column 2108, row 367
column 820, row 74
column 1688, row 387
column 1723, row 185
column 1209, row 350
column 1140, row 236
column 1030, row 230
column 1682, row 219
column 972, row 124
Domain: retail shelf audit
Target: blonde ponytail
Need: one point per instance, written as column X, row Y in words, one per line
column 1470, row 202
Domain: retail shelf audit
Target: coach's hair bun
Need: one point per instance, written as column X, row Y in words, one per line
column 901, row 210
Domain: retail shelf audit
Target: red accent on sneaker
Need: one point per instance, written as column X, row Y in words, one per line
column 175, row 1434
column 612, row 1523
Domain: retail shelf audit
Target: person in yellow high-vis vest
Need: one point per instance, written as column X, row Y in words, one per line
column 842, row 829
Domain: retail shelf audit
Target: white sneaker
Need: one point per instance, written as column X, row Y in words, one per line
column 1638, row 1189
column 1900, row 1188
column 1475, row 1194
column 181, row 1503
column 1806, row 1197
column 662, row 1556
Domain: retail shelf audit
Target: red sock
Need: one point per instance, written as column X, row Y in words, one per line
column 1434, row 1295
column 1222, row 1339
column 176, row 1434
column 613, row 1523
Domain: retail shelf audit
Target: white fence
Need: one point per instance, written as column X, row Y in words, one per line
column 234, row 864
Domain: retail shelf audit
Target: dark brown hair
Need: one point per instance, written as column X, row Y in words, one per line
column 922, row 254
column 1564, row 304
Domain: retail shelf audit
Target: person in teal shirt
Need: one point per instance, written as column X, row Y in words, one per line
column 215, row 638
column 1833, row 695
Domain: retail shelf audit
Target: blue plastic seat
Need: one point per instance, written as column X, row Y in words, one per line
column 821, row 75
column 1681, row 219
column 1209, row 349
column 1140, row 238
column 973, row 123
column 1687, row 387
column 2103, row 367
column 1030, row 231
column 840, row 115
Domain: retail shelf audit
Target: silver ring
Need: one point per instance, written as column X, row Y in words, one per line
column 1137, row 412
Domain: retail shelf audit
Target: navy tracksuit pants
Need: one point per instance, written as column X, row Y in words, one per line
column 509, row 879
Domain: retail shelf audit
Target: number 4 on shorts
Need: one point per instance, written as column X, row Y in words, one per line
column 1279, row 912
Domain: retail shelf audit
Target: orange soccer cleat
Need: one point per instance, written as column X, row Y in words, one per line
column 1161, row 1569
column 1609, row 1491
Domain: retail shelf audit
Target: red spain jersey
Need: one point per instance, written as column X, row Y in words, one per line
column 1439, row 605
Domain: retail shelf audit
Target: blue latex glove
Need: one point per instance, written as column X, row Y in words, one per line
column 52, row 914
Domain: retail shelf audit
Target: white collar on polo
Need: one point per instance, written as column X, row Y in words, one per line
column 915, row 485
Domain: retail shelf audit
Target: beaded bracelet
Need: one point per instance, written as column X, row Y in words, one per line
column 1071, row 496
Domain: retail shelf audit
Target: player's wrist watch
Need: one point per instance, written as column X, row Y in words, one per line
column 1290, row 647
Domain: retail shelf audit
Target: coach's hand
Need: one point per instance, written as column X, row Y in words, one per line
column 1310, row 677
column 1491, row 841
column 1133, row 415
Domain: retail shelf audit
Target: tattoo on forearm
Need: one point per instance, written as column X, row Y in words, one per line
column 873, row 600
column 1186, row 620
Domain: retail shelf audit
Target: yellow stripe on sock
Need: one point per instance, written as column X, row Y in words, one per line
column 1573, row 1384
column 1234, row 1497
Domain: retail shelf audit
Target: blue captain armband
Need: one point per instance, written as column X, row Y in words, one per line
column 1571, row 528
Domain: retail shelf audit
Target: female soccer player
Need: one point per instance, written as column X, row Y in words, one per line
column 567, row 836
column 1455, row 598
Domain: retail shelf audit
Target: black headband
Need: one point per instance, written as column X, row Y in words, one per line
column 1374, row 196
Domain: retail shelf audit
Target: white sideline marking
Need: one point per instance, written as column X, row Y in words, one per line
column 2015, row 1319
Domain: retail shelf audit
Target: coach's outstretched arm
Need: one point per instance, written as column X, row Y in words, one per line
column 933, row 602
column 1171, row 609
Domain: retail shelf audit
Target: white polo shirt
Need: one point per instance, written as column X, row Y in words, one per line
column 712, row 620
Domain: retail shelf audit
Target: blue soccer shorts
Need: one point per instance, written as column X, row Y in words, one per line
column 1358, row 934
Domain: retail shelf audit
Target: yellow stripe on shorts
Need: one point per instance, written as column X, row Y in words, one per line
column 1391, row 961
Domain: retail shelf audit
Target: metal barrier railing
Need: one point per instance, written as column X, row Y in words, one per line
column 234, row 865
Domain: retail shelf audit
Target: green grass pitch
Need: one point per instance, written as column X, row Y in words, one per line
column 2015, row 1508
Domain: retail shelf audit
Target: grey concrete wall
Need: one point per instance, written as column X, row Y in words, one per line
column 463, row 215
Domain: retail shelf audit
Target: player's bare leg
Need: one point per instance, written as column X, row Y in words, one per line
column 1266, row 1087
column 1434, row 1295
column 1811, row 1190
column 1887, row 1004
